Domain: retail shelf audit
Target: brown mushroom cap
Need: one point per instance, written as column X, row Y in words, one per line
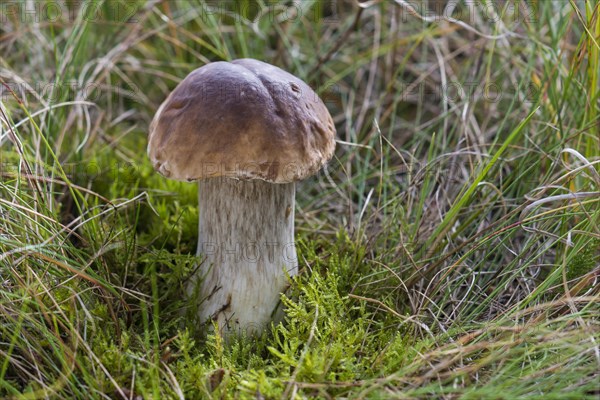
column 243, row 119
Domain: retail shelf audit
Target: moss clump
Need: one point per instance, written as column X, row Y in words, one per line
column 584, row 260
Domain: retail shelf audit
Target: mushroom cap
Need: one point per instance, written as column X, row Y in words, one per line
column 244, row 119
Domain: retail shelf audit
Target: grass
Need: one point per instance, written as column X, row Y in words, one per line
column 451, row 249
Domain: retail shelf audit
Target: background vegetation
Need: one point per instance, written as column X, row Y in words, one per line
column 450, row 249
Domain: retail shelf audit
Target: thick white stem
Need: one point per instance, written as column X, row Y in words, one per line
column 246, row 238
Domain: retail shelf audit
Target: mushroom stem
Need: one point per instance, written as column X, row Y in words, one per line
column 246, row 236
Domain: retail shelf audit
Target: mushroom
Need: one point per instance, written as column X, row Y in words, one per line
column 246, row 131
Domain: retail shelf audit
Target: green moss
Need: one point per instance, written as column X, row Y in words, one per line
column 584, row 260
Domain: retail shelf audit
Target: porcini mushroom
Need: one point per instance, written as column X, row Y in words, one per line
column 246, row 131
